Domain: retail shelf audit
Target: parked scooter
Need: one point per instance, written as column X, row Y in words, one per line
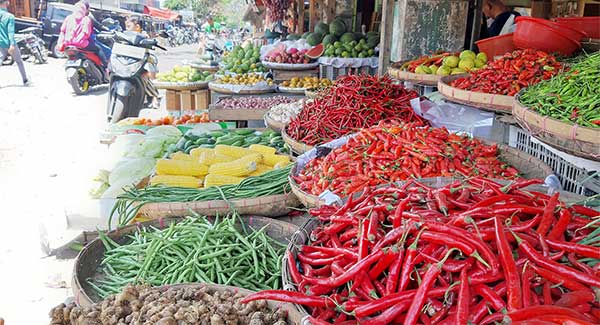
column 85, row 69
column 130, row 88
column 30, row 45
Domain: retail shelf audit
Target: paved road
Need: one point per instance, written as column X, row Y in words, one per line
column 49, row 152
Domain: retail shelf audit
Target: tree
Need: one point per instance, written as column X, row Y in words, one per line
column 176, row 4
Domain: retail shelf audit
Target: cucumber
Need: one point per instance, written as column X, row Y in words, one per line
column 180, row 146
column 216, row 134
column 190, row 148
column 275, row 140
column 211, row 141
column 207, row 145
column 268, row 132
column 243, row 131
column 274, row 135
column 188, row 144
column 252, row 140
column 201, row 141
column 238, row 143
column 191, row 136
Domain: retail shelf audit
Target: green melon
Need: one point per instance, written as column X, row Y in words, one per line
column 293, row 37
column 337, row 27
column 322, row 28
column 305, row 35
column 347, row 38
column 314, row 39
column 329, row 39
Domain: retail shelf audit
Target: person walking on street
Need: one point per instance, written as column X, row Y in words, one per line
column 7, row 39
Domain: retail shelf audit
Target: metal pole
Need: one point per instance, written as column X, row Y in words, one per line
column 476, row 28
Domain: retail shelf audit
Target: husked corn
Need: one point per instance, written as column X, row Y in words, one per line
column 232, row 151
column 219, row 180
column 177, row 181
column 261, row 169
column 273, row 160
column 180, row 167
column 210, row 158
column 181, row 156
column 196, row 152
column 265, row 150
column 238, row 167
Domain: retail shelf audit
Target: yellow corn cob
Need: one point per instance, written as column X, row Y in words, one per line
column 196, row 152
column 180, row 167
column 218, row 180
column 177, row 181
column 272, row 160
column 209, row 158
column 265, row 150
column 181, row 156
column 261, row 169
column 232, row 151
column 239, row 167
column 255, row 157
column 281, row 164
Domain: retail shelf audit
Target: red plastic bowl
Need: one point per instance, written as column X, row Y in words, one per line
column 530, row 33
column 590, row 25
column 497, row 45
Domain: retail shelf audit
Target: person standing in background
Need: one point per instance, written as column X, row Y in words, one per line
column 501, row 19
column 8, row 45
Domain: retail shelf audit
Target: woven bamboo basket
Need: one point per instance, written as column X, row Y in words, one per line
column 527, row 165
column 416, row 78
column 224, row 90
column 180, row 85
column 571, row 138
column 297, row 147
column 271, row 206
column 303, row 234
column 89, row 259
column 272, row 124
column 489, row 102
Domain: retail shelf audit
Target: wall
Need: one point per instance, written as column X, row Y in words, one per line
column 425, row 26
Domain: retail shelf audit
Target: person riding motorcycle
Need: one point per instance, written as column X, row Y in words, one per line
column 77, row 30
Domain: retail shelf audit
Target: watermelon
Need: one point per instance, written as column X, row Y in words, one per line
column 316, row 51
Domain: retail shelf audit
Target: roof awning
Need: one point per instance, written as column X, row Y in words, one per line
column 160, row 13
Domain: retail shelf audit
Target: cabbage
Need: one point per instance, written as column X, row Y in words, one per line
column 164, row 131
column 128, row 172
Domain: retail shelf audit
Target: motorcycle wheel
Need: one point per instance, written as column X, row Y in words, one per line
column 40, row 58
column 79, row 82
column 55, row 52
column 116, row 107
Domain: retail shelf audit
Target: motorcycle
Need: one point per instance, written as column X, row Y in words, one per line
column 85, row 69
column 129, row 87
column 30, row 45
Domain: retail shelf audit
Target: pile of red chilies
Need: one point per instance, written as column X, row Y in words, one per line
column 511, row 73
column 353, row 102
column 393, row 151
column 470, row 252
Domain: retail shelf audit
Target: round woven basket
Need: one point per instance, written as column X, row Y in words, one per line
column 297, row 147
column 271, row 206
column 302, row 235
column 527, row 165
column 577, row 140
column 89, row 259
column 416, row 78
column 489, row 102
column 272, row 124
column 181, row 85
column 225, row 90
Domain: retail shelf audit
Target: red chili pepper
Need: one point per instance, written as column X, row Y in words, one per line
column 583, row 250
column 558, row 279
column 537, row 312
column 294, row 273
column 548, row 216
column 462, row 309
column 513, row 283
column 290, row 296
column 490, row 296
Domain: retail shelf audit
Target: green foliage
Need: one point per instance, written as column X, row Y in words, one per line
column 176, row 4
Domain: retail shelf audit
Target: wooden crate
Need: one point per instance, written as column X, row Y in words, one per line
column 188, row 100
column 282, row 75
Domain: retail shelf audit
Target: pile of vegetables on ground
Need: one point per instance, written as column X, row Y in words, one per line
column 184, row 74
column 242, row 60
column 283, row 113
column 511, row 73
column 225, row 164
column 272, row 182
column 187, row 305
column 446, row 63
column 253, row 102
column 238, row 138
column 393, row 152
column 571, row 96
column 168, row 120
column 473, row 251
column 353, row 102
column 244, row 79
column 191, row 250
column 307, row 83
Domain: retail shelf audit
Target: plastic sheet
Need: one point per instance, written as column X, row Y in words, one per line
column 349, row 62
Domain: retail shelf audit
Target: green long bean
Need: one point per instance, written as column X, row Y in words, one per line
column 192, row 250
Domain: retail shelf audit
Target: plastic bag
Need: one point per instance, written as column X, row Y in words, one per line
column 455, row 117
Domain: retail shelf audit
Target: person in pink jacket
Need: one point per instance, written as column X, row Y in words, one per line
column 77, row 30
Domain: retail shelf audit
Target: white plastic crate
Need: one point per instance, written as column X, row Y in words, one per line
column 332, row 73
column 574, row 172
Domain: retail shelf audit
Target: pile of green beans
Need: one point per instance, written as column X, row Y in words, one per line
column 193, row 250
column 571, row 96
column 270, row 183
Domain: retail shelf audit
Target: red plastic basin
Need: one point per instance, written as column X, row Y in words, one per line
column 590, row 25
column 497, row 45
column 531, row 33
